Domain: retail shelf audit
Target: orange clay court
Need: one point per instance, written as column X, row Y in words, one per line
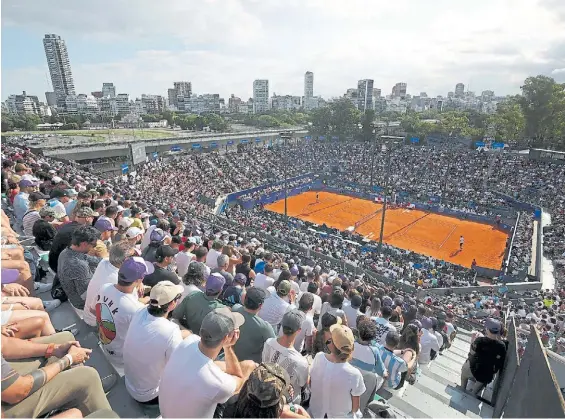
column 419, row 231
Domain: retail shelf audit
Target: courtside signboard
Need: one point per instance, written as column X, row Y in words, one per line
column 125, row 168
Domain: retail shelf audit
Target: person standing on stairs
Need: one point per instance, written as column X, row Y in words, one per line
column 486, row 357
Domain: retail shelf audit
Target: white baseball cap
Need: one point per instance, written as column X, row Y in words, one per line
column 133, row 232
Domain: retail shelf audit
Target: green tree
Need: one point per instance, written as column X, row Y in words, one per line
column 7, row 122
column 509, row 122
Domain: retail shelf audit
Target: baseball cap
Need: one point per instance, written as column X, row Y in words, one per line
column 157, row 235
column 36, row 196
column 133, row 231
column 387, row 301
column 284, row 287
column 267, row 384
column 342, row 338
column 240, row 278
column 165, row 251
column 103, row 224
column 294, row 271
column 196, row 269
column 125, row 222
column 255, row 296
column 135, row 268
column 49, row 212
column 159, row 212
column 25, row 183
column 292, row 321
column 219, row 323
column 493, row 326
column 426, row 323
column 163, row 293
column 215, row 283
column 71, row 192
column 84, row 212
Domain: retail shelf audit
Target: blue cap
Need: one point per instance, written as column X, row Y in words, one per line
column 103, row 224
column 135, row 268
column 215, row 283
column 157, row 235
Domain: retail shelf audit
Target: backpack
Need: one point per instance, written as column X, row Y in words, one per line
column 57, row 291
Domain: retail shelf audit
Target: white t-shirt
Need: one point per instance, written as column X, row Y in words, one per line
column 191, row 384
column 105, row 273
column 114, row 311
column 182, row 260
column 428, row 341
column 304, row 286
column 383, row 327
column 273, row 309
column 147, row 236
column 307, row 329
column 332, row 386
column 212, row 258
column 263, row 281
column 351, row 314
column 149, row 343
column 317, row 307
column 290, row 360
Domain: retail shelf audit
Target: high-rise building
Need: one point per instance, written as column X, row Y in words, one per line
column 459, row 90
column 233, row 103
column 365, row 94
column 59, row 67
column 260, row 96
column 23, row 104
column 286, row 103
column 399, row 90
column 108, row 89
column 376, row 92
column 308, row 84
column 51, row 98
column 179, row 94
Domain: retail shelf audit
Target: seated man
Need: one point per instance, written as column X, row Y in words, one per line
column 396, row 361
column 31, row 392
column 150, row 341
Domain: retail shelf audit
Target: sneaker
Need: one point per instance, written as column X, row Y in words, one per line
column 40, row 287
column 51, row 305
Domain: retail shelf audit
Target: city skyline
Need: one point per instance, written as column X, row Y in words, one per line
column 109, row 42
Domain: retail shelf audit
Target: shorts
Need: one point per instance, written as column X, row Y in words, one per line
column 6, row 315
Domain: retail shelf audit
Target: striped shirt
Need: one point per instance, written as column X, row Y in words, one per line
column 395, row 366
column 29, row 220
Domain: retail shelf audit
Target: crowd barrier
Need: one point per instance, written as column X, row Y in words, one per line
column 526, row 387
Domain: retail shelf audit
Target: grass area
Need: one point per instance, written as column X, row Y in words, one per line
column 97, row 135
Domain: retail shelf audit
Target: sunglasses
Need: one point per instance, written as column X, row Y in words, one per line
column 328, row 341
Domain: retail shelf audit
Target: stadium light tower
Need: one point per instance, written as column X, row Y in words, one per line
column 285, row 136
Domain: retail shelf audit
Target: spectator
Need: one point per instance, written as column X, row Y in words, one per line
column 36, row 202
column 117, row 303
column 428, row 341
column 304, row 341
column 383, row 325
column 233, row 293
column 164, row 256
column 185, row 257
column 486, row 357
column 352, row 311
column 200, row 255
column 281, row 351
column 255, row 330
column 213, row 254
column 150, row 341
column 195, row 278
column 275, row 306
column 245, row 268
column 53, row 386
column 157, row 238
column 366, row 355
column 76, row 266
column 106, row 273
column 222, row 266
column 197, row 305
column 192, row 384
column 395, row 360
column 335, row 305
column 332, row 374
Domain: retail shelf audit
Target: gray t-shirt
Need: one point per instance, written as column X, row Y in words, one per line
column 253, row 335
column 9, row 375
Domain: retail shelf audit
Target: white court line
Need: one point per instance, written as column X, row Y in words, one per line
column 448, row 236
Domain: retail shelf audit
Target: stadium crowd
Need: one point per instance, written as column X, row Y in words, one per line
column 255, row 329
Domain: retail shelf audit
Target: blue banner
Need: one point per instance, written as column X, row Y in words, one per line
column 497, row 145
column 308, row 137
column 257, row 140
column 434, row 198
column 244, row 141
column 322, row 137
column 335, row 137
column 230, row 142
column 176, row 148
column 214, row 145
column 125, row 168
column 196, row 145
column 155, row 155
column 479, row 144
column 414, row 140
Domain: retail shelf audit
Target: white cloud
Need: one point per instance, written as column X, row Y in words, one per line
column 558, row 71
column 491, row 44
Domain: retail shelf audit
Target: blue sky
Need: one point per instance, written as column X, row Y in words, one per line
column 222, row 46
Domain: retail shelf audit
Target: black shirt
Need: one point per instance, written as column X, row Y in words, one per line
column 487, row 359
column 243, row 269
column 160, row 274
column 61, row 241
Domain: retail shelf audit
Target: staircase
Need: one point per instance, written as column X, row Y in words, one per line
column 437, row 392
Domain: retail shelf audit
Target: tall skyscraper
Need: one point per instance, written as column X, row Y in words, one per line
column 365, row 94
column 308, row 84
column 108, row 89
column 179, row 94
column 260, row 96
column 59, row 67
column 459, row 90
column 399, row 90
